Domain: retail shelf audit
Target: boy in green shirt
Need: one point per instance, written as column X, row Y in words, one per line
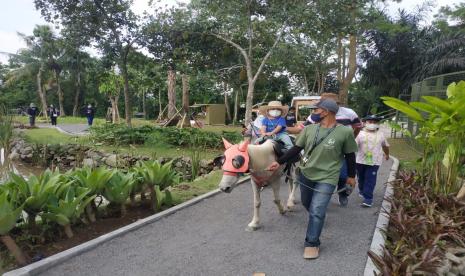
column 325, row 144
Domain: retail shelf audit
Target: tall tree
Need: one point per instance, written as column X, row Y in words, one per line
column 111, row 23
column 254, row 28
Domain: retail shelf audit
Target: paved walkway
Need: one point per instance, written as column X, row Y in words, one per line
column 71, row 129
column 209, row 239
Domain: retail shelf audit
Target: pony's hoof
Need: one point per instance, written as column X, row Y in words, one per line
column 282, row 212
column 290, row 208
column 252, row 228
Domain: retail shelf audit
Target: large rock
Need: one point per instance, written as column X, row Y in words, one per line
column 111, row 160
column 14, row 156
column 26, row 150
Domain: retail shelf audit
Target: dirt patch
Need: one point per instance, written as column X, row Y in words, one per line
column 182, row 187
column 56, row 241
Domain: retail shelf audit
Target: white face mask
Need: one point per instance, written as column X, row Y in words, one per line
column 275, row 113
column 371, row 127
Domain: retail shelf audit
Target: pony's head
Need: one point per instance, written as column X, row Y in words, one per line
column 235, row 162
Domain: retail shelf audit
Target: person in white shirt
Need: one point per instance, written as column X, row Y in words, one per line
column 371, row 146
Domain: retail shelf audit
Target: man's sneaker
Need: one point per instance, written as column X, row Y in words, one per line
column 343, row 200
column 311, row 252
column 366, row 204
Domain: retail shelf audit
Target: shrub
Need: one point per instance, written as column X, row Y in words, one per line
column 442, row 135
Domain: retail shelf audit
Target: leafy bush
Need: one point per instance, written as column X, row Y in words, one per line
column 181, row 137
column 423, row 227
column 442, row 135
column 158, row 178
column 119, row 134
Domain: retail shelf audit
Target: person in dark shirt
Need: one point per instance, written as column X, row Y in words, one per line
column 90, row 114
column 32, row 112
column 53, row 113
column 291, row 120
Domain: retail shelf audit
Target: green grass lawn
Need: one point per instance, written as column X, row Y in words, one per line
column 406, row 154
column 201, row 185
column 78, row 120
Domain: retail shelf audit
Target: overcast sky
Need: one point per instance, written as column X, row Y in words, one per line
column 21, row 16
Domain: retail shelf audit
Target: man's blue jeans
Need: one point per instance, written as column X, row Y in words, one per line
column 315, row 199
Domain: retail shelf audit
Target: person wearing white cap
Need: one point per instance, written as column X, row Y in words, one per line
column 274, row 124
column 326, row 144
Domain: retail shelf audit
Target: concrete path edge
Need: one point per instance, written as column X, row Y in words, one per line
column 45, row 264
column 377, row 243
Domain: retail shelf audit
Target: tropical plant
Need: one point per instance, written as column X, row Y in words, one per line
column 118, row 189
column 36, row 191
column 9, row 214
column 158, row 177
column 442, row 135
column 6, row 129
column 95, row 180
column 67, row 209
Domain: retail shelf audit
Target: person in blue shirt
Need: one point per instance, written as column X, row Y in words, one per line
column 274, row 124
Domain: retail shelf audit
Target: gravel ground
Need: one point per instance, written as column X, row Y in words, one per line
column 209, row 239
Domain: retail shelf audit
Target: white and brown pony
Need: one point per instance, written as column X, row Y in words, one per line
column 244, row 157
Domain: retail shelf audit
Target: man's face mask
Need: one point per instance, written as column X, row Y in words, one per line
column 317, row 116
column 275, row 112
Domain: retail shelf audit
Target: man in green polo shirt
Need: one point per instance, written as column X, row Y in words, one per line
column 325, row 146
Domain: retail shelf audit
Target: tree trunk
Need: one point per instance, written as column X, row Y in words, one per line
column 127, row 95
column 226, row 101
column 90, row 213
column 171, row 93
column 249, row 102
column 306, row 84
column 153, row 198
column 144, row 107
column 68, row 231
column 339, row 59
column 41, row 93
column 160, row 110
column 21, row 258
column 236, row 105
column 123, row 210
column 185, row 100
column 77, row 93
column 344, row 88
column 60, row 93
column 31, row 222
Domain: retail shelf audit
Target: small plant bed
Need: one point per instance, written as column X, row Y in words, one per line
column 426, row 233
column 49, row 213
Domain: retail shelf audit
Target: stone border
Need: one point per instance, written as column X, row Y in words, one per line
column 51, row 261
column 377, row 243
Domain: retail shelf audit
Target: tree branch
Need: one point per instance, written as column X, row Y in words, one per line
column 278, row 38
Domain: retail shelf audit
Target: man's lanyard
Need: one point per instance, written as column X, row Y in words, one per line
column 316, row 142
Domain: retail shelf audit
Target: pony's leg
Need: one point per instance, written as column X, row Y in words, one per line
column 275, row 186
column 292, row 189
column 255, row 223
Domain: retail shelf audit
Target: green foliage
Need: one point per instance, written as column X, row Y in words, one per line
column 158, row 178
column 93, row 179
column 66, row 208
column 6, row 128
column 36, row 190
column 119, row 187
column 180, row 137
column 442, row 134
column 119, row 134
column 8, row 214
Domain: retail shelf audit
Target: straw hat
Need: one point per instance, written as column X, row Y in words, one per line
column 274, row 105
